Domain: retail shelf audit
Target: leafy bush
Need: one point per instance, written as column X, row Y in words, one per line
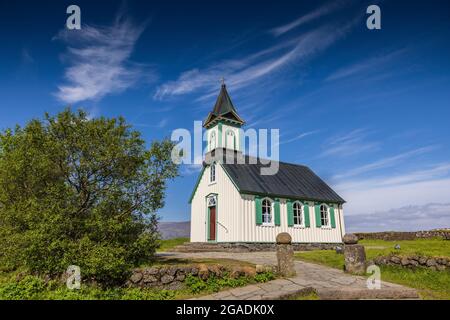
column 80, row 191
column 34, row 288
column 29, row 288
column 264, row 277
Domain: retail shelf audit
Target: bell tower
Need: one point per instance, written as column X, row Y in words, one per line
column 223, row 124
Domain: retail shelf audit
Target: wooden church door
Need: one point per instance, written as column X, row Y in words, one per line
column 212, row 223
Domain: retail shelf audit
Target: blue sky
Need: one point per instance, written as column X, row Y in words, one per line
column 367, row 110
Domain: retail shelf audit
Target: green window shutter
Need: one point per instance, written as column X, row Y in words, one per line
column 332, row 220
column 277, row 212
column 290, row 213
column 258, row 210
column 318, row 221
column 306, row 212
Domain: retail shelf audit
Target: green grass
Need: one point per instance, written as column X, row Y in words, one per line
column 426, row 247
column 430, row 284
column 165, row 245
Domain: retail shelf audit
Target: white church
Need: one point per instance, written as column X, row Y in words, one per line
column 234, row 203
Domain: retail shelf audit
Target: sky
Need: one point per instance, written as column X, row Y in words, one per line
column 367, row 110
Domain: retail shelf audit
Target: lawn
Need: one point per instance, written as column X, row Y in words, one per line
column 430, row 284
column 170, row 243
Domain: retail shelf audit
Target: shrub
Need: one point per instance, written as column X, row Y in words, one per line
column 80, row 191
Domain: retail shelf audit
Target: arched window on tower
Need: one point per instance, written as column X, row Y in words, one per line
column 230, row 139
column 212, row 141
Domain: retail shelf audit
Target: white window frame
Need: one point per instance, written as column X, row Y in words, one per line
column 212, row 140
column 302, row 214
column 328, row 225
column 272, row 216
column 230, row 133
column 212, row 173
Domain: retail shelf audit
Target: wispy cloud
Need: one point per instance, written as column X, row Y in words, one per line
column 242, row 72
column 320, row 12
column 99, row 59
column 385, row 163
column 300, row 136
column 408, row 218
column 387, row 191
column 353, row 142
column 373, row 65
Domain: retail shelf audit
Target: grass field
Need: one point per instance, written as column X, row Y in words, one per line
column 170, row 243
column 430, row 284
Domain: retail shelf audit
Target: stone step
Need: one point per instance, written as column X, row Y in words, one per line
column 366, row 294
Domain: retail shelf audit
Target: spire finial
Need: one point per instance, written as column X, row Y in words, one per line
column 222, row 80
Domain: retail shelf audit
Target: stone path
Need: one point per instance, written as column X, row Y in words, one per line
column 327, row 282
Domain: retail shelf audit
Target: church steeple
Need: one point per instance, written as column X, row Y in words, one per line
column 223, row 123
column 223, row 110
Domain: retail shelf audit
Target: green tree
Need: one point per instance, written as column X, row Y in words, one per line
column 79, row 191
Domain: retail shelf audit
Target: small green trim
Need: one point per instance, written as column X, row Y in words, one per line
column 219, row 127
column 318, row 219
column 332, row 219
column 276, row 207
column 290, row 213
column 258, row 210
column 306, row 215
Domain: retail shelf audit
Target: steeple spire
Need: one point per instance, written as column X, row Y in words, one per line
column 223, row 109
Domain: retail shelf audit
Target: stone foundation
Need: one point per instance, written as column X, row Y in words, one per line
column 249, row 247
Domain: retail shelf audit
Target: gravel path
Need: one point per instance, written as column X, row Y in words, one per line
column 327, row 282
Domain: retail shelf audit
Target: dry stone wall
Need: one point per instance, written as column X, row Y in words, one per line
column 434, row 263
column 396, row 236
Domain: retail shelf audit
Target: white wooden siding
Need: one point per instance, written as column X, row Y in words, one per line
column 236, row 216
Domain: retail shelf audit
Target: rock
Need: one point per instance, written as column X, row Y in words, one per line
column 285, row 259
column 150, row 278
column 136, row 277
column 414, row 263
column 350, row 238
column 171, row 271
column 423, row 260
column 355, row 259
column 215, row 270
column 180, row 277
column 339, row 250
column 431, row 262
column 203, row 272
column 152, row 270
column 440, row 268
column 404, row 261
column 261, row 268
column 236, row 272
column 165, row 279
column 175, row 285
column 284, row 238
column 194, row 271
column 249, row 271
column 396, row 260
column 397, row 247
column 162, row 271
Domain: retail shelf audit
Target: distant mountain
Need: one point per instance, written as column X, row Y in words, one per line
column 171, row 230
